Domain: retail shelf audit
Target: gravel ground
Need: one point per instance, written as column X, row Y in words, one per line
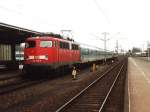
column 49, row 95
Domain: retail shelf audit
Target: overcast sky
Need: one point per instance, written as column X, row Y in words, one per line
column 87, row 19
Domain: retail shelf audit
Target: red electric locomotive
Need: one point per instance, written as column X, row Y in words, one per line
column 48, row 52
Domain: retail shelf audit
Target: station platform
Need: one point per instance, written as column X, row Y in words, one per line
column 138, row 86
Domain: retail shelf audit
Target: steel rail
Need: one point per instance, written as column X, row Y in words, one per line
column 20, row 85
column 8, row 80
column 9, row 77
column 86, row 88
column 104, row 102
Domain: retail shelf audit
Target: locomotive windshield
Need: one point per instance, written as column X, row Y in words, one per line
column 30, row 44
column 45, row 43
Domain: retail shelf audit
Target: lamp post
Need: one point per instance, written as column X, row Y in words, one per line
column 148, row 50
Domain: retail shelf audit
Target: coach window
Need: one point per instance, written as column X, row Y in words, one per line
column 46, row 44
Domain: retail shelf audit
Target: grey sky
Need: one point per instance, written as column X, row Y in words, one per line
column 84, row 17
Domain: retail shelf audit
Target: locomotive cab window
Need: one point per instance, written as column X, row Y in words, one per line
column 30, row 44
column 45, row 43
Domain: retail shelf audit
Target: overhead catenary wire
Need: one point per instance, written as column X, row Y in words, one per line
column 21, row 14
column 10, row 10
column 102, row 11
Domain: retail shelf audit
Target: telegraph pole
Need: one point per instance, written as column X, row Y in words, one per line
column 105, row 40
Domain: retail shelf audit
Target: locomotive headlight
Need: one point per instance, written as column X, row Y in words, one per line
column 31, row 57
column 41, row 57
column 44, row 57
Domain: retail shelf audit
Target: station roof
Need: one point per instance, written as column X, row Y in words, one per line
column 14, row 34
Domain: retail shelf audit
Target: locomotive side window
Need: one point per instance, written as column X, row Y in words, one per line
column 75, row 47
column 45, row 43
column 67, row 45
column 64, row 45
column 30, row 44
column 61, row 45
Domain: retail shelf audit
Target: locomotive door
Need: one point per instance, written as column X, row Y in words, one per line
column 56, row 51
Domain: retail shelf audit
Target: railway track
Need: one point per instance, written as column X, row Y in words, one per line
column 21, row 83
column 12, row 82
column 93, row 98
column 9, row 79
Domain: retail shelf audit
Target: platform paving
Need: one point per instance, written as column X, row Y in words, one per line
column 138, row 85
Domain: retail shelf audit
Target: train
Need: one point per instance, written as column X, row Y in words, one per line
column 52, row 52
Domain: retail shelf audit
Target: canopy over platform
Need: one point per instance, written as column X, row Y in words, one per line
column 12, row 34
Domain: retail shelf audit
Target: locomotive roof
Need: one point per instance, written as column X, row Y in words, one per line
column 51, row 38
column 43, row 35
column 48, row 34
column 51, row 35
